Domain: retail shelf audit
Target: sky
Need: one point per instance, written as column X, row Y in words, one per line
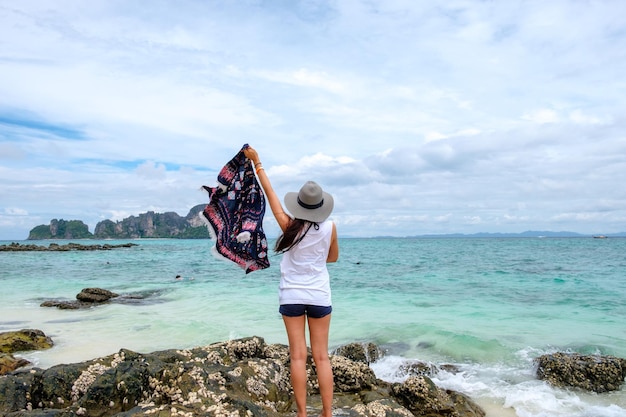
column 419, row 117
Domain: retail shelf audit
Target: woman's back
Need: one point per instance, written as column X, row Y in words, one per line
column 304, row 276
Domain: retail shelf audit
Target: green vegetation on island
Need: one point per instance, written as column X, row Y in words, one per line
column 145, row 225
column 61, row 229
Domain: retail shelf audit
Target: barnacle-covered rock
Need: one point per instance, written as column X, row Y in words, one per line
column 420, row 395
column 360, row 352
column 589, row 372
column 244, row 377
column 351, row 376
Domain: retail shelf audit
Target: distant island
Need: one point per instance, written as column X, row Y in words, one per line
column 172, row 226
column 527, row 234
column 146, row 225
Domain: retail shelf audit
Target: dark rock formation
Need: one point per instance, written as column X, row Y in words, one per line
column 420, row 395
column 25, row 339
column 86, row 298
column 9, row 363
column 55, row 247
column 360, row 352
column 19, row 341
column 64, row 304
column 419, row 368
column 95, row 295
column 369, row 352
column 242, row 377
column 89, row 297
column 589, row 372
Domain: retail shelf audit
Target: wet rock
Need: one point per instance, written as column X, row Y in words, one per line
column 417, row 368
column 22, row 340
column 360, row 352
column 422, row 397
column 86, row 298
column 95, row 295
column 55, row 247
column 589, row 372
column 351, row 376
column 450, row 368
column 19, row 341
column 64, row 305
column 9, row 363
column 243, row 377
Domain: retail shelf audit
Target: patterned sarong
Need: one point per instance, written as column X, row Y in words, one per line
column 235, row 215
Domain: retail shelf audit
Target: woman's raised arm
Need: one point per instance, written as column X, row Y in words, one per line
column 281, row 217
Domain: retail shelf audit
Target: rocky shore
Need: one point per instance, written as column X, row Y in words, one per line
column 247, row 377
column 244, row 377
column 55, row 247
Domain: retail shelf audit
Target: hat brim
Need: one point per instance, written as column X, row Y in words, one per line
column 317, row 215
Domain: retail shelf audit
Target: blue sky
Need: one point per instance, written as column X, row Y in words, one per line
column 418, row 116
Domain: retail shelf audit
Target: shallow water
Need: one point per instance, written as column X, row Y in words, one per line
column 489, row 306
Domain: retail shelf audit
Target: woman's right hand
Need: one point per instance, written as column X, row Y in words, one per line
column 251, row 154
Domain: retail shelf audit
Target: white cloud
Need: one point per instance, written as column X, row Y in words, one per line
column 577, row 116
column 15, row 211
column 151, row 171
column 419, row 117
column 542, row 116
column 304, row 77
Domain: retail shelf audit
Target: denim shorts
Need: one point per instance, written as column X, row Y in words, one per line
column 297, row 310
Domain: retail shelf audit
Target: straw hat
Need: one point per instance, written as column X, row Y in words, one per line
column 310, row 203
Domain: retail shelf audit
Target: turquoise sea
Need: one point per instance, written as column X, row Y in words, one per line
column 488, row 305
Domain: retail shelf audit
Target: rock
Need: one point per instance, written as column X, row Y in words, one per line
column 22, row 340
column 370, row 352
column 450, row 368
column 55, row 247
column 351, row 376
column 464, row 405
column 19, row 341
column 417, row 368
column 243, row 377
column 95, row 295
column 421, row 396
column 63, row 305
column 88, row 297
column 8, row 363
column 589, row 372
column 360, row 352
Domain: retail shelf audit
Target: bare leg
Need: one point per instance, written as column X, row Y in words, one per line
column 318, row 331
column 298, row 355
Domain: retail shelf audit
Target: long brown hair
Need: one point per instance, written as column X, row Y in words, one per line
column 295, row 232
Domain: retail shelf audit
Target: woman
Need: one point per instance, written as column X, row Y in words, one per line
column 308, row 242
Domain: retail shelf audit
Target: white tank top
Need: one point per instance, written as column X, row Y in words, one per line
column 304, row 277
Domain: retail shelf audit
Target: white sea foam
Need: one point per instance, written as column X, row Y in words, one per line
column 509, row 391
